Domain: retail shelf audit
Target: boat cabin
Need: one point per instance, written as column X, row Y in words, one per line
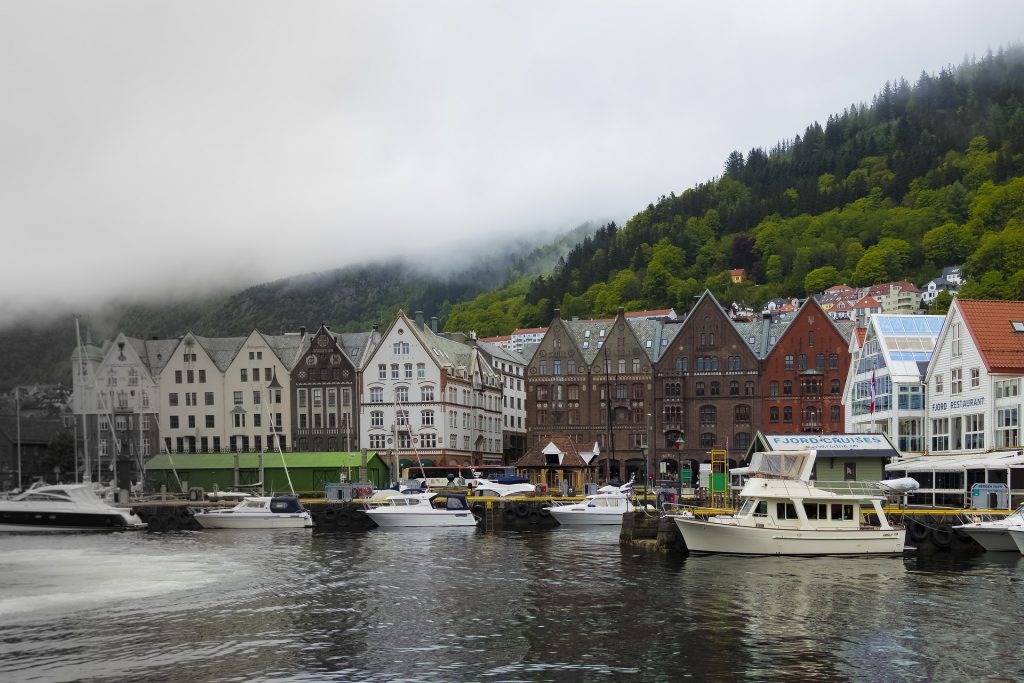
column 822, row 514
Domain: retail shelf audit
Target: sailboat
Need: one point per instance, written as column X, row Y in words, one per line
column 260, row 512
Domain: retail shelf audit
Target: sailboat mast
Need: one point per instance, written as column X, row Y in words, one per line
column 80, row 370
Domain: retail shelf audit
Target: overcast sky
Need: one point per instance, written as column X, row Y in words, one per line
column 165, row 147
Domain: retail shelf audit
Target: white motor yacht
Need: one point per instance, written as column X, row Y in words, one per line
column 994, row 535
column 784, row 512
column 418, row 509
column 64, row 507
column 605, row 507
column 258, row 512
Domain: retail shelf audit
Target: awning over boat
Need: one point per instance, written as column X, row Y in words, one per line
column 958, row 463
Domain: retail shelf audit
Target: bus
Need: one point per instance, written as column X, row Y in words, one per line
column 441, row 476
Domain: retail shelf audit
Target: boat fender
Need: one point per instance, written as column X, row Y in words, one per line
column 155, row 523
column 185, row 516
column 193, row 494
column 478, row 509
column 522, row 509
column 330, row 515
column 171, row 523
column 533, row 517
column 344, row 518
column 917, row 531
column 961, row 535
column 318, row 518
column 509, row 513
column 941, row 537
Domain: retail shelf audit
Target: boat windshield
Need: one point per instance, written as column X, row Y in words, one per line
column 780, row 464
column 747, row 507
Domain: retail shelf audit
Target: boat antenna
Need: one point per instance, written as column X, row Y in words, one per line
column 273, row 429
column 80, row 372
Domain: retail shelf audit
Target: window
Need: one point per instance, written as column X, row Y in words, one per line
column 257, row 420
column 177, row 376
column 787, row 414
column 572, row 366
column 377, row 441
column 801, row 361
column 400, row 348
column 427, row 418
column 819, row 361
column 938, row 384
column 426, row 393
column 172, row 399
column 237, row 398
column 940, row 434
column 742, row 413
column 622, row 365
column 210, row 421
column 174, row 421
column 636, row 365
column 1007, row 433
column 748, row 388
column 773, row 388
column 974, row 432
column 849, row 474
column 673, row 413
column 190, row 376
column 208, row 398
column 402, row 394
column 835, row 387
column 773, row 414
column 256, row 397
column 244, row 374
column 975, row 378
column 428, row 441
column 956, row 346
column 317, row 396
column 376, row 395
column 673, row 390
column 408, row 370
column 707, row 414
column 715, row 389
column 421, row 371
column 573, row 392
column 382, row 371
column 789, row 361
column 699, row 389
column 734, row 388
column 956, row 381
column 707, row 440
column 836, row 413
column 543, row 368
column 332, row 398
column 394, row 371
column 833, row 361
column 557, row 370
column 542, row 392
column 787, row 388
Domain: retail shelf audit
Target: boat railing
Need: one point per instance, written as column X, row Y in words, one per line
column 866, row 489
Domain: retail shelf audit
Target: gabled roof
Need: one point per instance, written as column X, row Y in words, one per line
column 570, row 455
column 906, row 342
column 495, row 351
column 530, row 330
column 991, row 326
column 868, row 302
column 810, row 302
column 221, row 350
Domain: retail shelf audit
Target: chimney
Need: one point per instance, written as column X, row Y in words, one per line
column 376, row 327
column 558, row 313
column 419, row 319
column 433, row 324
column 622, row 310
column 302, row 331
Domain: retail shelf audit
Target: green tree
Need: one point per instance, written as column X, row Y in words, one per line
column 820, row 279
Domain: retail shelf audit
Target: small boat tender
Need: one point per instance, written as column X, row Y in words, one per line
column 258, row 512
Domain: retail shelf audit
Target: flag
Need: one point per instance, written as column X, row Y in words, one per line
column 874, row 388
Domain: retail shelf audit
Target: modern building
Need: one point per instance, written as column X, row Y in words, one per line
column 512, row 368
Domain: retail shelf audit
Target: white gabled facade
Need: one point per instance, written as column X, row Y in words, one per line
column 256, row 409
column 193, row 413
column 511, row 367
column 426, row 398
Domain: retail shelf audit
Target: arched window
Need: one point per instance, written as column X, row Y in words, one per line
column 787, row 388
column 742, row 440
column 835, row 387
column 716, row 389
column 743, row 413
column 835, row 413
column 773, row 414
column 707, row 414
column 787, row 414
column 734, row 388
column 699, row 389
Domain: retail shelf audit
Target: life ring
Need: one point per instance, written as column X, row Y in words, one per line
column 509, row 513
column 941, row 537
column 478, row 509
column 344, row 519
column 171, row 523
column 533, row 517
column 542, row 488
column 522, row 509
column 917, row 531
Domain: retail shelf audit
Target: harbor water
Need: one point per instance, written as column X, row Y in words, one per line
column 461, row 605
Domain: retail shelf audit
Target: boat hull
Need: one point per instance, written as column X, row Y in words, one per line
column 992, row 539
column 586, row 518
column 1017, row 534
column 254, row 521
column 710, row 537
column 384, row 517
column 34, row 521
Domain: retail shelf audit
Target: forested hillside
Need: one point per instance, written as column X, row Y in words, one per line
column 347, row 299
column 928, row 175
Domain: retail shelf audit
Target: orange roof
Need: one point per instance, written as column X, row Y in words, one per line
column 530, row 330
column 737, row 271
column 868, row 302
column 990, row 325
column 861, row 332
column 492, row 340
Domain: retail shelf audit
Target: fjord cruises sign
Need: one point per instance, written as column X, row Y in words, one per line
column 832, row 442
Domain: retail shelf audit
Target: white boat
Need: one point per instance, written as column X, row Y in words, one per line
column 418, row 509
column 605, row 507
column 994, row 535
column 784, row 512
column 64, row 507
column 258, row 512
column 1017, row 535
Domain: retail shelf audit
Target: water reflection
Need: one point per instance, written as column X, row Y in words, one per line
column 444, row 604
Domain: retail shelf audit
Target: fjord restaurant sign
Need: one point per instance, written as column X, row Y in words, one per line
column 832, row 442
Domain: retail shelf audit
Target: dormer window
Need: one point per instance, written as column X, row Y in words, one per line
column 1018, row 326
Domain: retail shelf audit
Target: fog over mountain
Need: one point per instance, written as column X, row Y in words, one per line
column 167, row 149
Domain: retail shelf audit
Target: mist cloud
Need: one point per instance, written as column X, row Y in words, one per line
column 161, row 149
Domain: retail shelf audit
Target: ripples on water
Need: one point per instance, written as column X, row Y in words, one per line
column 457, row 604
